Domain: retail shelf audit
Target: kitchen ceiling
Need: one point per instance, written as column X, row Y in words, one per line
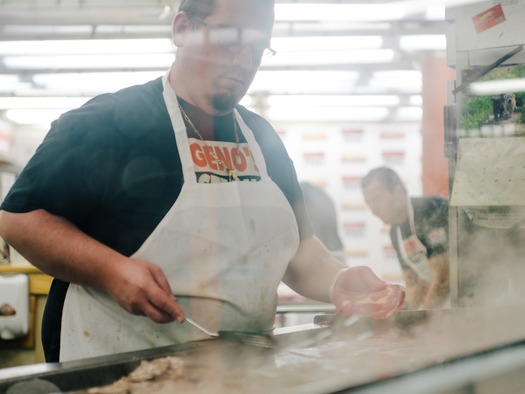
column 56, row 54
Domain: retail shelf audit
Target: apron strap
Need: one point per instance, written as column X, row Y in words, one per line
column 179, row 128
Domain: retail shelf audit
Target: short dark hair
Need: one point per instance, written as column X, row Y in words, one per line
column 198, row 8
column 201, row 8
column 385, row 175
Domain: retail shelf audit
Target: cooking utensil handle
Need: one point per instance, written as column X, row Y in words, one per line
column 201, row 328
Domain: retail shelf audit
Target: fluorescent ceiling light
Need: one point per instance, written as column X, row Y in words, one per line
column 36, row 117
column 303, row 82
column 412, row 114
column 364, row 12
column 134, row 29
column 91, row 83
column 400, row 75
column 406, row 86
column 316, row 113
column 416, row 99
column 501, row 86
column 61, row 62
column 408, row 81
column 334, row 100
column 10, row 83
column 322, row 27
column 32, row 30
column 328, row 58
column 423, row 42
column 338, row 12
column 325, row 43
column 86, row 47
column 41, row 102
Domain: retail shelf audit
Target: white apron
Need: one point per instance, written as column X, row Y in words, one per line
column 412, row 251
column 224, row 248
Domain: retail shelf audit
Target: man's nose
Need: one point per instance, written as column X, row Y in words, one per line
column 245, row 57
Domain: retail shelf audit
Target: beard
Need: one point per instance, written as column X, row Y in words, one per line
column 224, row 102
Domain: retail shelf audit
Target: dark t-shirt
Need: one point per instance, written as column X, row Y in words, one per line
column 431, row 223
column 112, row 168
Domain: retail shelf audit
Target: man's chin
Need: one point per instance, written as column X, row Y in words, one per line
column 225, row 102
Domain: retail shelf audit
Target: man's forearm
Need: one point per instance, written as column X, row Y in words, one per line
column 57, row 247
column 312, row 270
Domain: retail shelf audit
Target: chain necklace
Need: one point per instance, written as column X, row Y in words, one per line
column 232, row 172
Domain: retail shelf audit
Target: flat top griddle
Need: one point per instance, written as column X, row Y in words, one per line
column 340, row 357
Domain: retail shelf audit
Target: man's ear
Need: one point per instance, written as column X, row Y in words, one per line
column 180, row 26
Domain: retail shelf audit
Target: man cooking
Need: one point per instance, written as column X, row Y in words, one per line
column 419, row 234
column 169, row 199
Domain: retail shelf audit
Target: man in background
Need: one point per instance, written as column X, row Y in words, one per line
column 419, row 234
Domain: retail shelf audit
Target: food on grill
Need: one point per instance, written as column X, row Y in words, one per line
column 148, row 371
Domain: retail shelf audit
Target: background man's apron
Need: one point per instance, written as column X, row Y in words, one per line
column 224, row 248
column 412, row 251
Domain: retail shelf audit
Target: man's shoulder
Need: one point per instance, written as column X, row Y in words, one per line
column 429, row 203
column 431, row 211
column 135, row 98
column 135, row 111
column 130, row 97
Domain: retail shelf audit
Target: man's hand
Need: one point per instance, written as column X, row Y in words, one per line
column 141, row 288
column 358, row 291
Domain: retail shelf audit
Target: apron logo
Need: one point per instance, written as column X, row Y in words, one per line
column 209, row 170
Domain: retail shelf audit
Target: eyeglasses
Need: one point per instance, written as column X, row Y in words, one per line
column 234, row 39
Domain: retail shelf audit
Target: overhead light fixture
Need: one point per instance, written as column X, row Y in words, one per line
column 408, row 81
column 337, row 12
column 48, row 30
column 91, row 83
column 408, row 114
column 293, row 82
column 416, row 99
column 325, row 43
column 334, row 100
column 10, row 83
column 326, row 114
column 282, row 28
column 86, row 47
column 364, row 12
column 33, row 117
column 7, row 103
column 324, row 57
column 422, row 42
column 501, row 86
column 62, row 62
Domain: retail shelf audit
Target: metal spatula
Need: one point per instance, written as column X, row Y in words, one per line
column 201, row 328
column 249, row 338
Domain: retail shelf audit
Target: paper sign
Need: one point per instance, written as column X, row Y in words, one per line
column 489, row 18
column 489, row 172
